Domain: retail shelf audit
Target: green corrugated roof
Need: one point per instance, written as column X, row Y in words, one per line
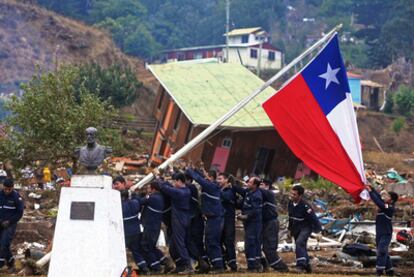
column 207, row 91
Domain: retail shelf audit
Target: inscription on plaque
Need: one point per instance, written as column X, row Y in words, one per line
column 82, row 210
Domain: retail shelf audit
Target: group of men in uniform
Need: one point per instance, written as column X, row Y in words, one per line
column 199, row 210
column 200, row 223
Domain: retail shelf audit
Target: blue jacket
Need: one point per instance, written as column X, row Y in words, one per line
column 383, row 221
column 269, row 209
column 194, row 201
column 180, row 202
column 210, row 195
column 130, row 211
column 252, row 203
column 228, row 200
column 152, row 212
column 11, row 207
column 302, row 216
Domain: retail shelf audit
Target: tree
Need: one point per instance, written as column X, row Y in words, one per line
column 48, row 121
column 144, row 27
column 131, row 35
column 385, row 29
column 404, row 100
column 117, row 8
column 398, row 125
column 116, row 84
column 3, row 109
column 74, row 8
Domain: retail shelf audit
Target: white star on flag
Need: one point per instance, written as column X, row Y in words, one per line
column 330, row 75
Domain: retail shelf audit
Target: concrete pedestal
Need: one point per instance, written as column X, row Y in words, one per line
column 89, row 234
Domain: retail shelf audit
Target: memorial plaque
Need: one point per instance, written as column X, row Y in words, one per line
column 82, row 210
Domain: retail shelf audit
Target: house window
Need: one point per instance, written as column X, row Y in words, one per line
column 160, row 101
column 271, row 56
column 227, row 143
column 177, row 120
column 253, row 53
column 180, row 56
column 245, row 39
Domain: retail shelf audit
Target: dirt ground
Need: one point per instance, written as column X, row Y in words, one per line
column 268, row 274
column 319, row 265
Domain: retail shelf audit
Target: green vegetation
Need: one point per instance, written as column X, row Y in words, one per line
column 404, row 100
column 398, row 124
column 376, row 32
column 145, row 27
column 116, row 84
column 382, row 27
column 3, row 109
column 50, row 118
column 310, row 184
column 400, row 102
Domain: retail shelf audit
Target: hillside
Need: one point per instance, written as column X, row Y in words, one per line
column 32, row 37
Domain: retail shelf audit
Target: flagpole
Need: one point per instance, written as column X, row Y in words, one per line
column 199, row 138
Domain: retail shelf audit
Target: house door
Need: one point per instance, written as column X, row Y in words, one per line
column 263, row 162
column 221, row 155
column 373, row 99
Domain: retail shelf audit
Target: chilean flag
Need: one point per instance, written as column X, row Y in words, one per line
column 314, row 115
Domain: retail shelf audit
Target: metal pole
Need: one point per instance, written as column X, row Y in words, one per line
column 259, row 61
column 227, row 29
column 195, row 141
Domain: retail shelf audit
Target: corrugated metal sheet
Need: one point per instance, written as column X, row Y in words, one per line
column 243, row 31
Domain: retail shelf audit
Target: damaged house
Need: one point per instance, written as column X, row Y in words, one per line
column 192, row 95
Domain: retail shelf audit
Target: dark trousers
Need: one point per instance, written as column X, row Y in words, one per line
column 149, row 248
column 270, row 240
column 178, row 247
column 195, row 242
column 252, row 243
column 6, row 238
column 301, row 240
column 383, row 258
column 228, row 240
column 133, row 243
column 213, row 230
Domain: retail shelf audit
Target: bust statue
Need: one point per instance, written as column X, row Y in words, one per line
column 92, row 154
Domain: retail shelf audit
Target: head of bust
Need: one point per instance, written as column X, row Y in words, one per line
column 91, row 135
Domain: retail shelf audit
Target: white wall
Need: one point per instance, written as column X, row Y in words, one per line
column 238, row 39
column 251, row 62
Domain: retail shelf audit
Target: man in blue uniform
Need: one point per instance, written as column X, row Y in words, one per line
column 302, row 222
column 179, row 196
column 228, row 199
column 383, row 228
column 252, row 221
column 270, row 234
column 11, row 211
column 151, row 217
column 213, row 212
column 132, row 225
column 195, row 241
